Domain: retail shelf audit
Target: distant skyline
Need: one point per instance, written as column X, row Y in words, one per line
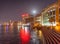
column 13, row 9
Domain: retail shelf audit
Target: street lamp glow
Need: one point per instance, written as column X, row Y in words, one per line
column 34, row 12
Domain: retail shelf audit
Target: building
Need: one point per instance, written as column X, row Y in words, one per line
column 50, row 15
column 38, row 18
column 27, row 18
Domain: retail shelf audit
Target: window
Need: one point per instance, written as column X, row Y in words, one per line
column 53, row 12
column 50, row 13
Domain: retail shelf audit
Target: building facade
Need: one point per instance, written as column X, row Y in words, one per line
column 50, row 15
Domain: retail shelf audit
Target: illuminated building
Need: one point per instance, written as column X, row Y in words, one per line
column 27, row 18
column 38, row 18
column 51, row 11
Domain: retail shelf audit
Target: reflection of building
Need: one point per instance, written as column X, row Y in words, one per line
column 19, row 25
column 15, row 28
column 5, row 26
column 10, row 26
column 50, row 12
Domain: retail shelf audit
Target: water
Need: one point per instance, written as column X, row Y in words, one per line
column 10, row 34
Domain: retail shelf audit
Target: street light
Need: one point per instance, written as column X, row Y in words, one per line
column 34, row 13
column 36, row 24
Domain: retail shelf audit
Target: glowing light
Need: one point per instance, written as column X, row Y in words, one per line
column 25, row 37
column 36, row 24
column 26, row 29
column 40, row 33
column 57, row 28
column 25, row 15
column 34, row 12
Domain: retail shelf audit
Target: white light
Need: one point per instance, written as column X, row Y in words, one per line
column 26, row 29
column 34, row 12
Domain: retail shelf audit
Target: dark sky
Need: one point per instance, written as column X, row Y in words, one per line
column 13, row 9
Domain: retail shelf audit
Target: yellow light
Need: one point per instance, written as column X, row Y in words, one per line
column 57, row 28
column 36, row 24
column 40, row 33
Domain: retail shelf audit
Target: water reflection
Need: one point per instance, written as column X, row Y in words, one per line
column 9, row 34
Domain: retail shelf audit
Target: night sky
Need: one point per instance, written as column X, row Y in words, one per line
column 13, row 9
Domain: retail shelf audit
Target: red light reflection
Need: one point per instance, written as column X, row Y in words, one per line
column 25, row 36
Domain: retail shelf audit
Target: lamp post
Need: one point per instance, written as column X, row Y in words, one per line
column 37, row 25
column 34, row 13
